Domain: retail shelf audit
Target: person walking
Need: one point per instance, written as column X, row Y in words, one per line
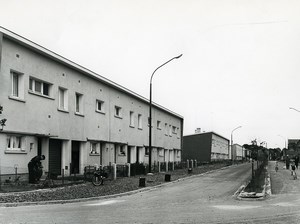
column 296, row 161
column 293, row 169
column 287, row 162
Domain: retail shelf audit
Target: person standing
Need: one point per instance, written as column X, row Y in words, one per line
column 296, row 161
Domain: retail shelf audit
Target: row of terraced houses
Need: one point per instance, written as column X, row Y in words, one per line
column 73, row 116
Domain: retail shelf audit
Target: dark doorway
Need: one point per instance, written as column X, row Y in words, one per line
column 39, row 146
column 55, row 156
column 129, row 154
column 137, row 154
column 75, row 157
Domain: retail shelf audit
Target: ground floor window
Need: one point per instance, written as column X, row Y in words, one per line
column 15, row 143
column 94, row 148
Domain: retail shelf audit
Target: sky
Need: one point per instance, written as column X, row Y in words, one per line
column 240, row 63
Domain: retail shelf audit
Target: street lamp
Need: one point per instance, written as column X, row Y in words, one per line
column 232, row 141
column 284, row 140
column 150, row 110
column 292, row 108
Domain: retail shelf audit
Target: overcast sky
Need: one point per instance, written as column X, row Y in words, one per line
column 240, row 63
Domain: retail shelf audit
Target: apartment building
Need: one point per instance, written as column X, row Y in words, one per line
column 205, row 147
column 73, row 116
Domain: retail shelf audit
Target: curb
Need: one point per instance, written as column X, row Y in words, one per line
column 16, row 204
column 266, row 193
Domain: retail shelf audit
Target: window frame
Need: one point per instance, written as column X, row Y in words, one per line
column 118, row 111
column 101, row 102
column 33, row 85
column 131, row 119
column 140, row 122
column 65, row 105
column 19, row 93
column 79, row 103
column 11, row 140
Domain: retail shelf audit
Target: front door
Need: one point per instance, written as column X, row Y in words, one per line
column 75, row 157
column 55, row 146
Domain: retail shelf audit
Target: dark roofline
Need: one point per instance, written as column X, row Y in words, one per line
column 58, row 58
column 210, row 132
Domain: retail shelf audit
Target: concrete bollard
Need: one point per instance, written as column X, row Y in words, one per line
column 114, row 171
column 167, row 166
column 192, row 163
column 158, row 166
column 128, row 174
column 173, row 165
column 187, row 163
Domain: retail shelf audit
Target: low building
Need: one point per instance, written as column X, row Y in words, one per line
column 238, row 152
column 205, row 147
column 73, row 116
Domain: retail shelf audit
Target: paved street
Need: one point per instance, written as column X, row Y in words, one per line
column 204, row 199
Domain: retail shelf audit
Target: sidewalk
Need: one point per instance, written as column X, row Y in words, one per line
column 282, row 182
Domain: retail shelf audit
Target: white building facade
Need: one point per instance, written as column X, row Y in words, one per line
column 73, row 116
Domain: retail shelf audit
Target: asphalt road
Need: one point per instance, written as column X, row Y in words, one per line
column 203, row 199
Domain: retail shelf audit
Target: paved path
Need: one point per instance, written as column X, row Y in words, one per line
column 282, row 182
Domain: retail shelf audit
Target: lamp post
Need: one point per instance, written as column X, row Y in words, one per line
column 284, row 140
column 232, row 141
column 150, row 110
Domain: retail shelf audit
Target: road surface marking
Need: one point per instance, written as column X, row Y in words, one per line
column 105, row 203
column 235, row 207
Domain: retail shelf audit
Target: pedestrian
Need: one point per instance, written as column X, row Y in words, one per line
column 296, row 161
column 287, row 162
column 35, row 169
column 293, row 169
column 276, row 166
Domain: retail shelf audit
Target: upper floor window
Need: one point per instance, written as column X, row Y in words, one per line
column 158, row 124
column 131, row 117
column 118, row 111
column 63, row 98
column 140, row 125
column 17, row 85
column 166, row 129
column 174, row 129
column 78, row 103
column 99, row 106
column 40, row 87
column 170, row 130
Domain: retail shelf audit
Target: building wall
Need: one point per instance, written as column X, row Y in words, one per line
column 219, row 148
column 33, row 114
column 205, row 147
column 197, row 147
column 237, row 152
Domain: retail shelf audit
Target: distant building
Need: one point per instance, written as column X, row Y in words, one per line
column 205, row 147
column 237, row 152
column 73, row 116
column 293, row 147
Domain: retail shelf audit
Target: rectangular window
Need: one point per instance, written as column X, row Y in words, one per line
column 94, row 149
column 63, row 98
column 118, row 111
column 78, row 103
column 17, row 85
column 178, row 133
column 158, row 124
column 140, row 126
column 14, row 143
column 122, row 150
column 166, row 129
column 170, row 130
column 39, row 87
column 99, row 106
column 131, row 117
column 174, row 130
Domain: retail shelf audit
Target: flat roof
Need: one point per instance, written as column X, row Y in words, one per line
column 209, row 132
column 56, row 57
